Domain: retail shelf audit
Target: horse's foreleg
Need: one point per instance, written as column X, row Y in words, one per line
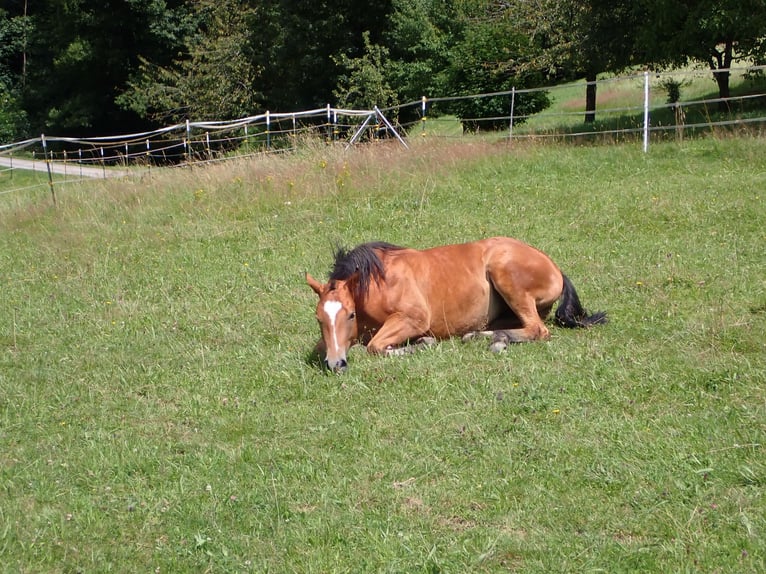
column 470, row 336
column 397, row 329
column 419, row 343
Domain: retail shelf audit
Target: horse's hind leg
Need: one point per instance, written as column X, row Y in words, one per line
column 533, row 328
column 499, row 338
column 519, row 322
column 527, row 309
column 502, row 337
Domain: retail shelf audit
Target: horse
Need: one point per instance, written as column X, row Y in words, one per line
column 386, row 296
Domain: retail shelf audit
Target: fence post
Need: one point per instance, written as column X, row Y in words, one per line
column 423, row 116
column 646, row 111
column 268, row 130
column 48, row 167
column 335, row 132
column 187, row 143
column 510, row 121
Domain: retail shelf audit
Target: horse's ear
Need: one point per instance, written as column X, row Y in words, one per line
column 315, row 285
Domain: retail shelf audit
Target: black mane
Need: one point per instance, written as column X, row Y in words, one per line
column 362, row 259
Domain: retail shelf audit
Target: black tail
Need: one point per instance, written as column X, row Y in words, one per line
column 570, row 312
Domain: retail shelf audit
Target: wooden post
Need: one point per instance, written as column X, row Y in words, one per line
column 646, row 112
column 510, row 122
column 48, row 167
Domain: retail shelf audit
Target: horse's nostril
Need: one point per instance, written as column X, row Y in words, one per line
column 338, row 366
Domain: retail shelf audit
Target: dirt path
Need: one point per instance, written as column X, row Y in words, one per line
column 61, row 168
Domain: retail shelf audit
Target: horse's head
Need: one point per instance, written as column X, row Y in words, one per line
column 336, row 314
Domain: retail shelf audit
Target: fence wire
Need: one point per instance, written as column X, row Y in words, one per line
column 79, row 158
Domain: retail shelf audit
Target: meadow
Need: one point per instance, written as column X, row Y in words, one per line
column 161, row 409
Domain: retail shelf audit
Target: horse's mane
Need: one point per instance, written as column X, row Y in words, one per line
column 363, row 259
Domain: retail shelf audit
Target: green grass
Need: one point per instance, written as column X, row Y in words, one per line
column 160, row 409
column 18, row 185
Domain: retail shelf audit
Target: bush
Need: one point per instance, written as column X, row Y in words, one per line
column 13, row 120
column 487, row 61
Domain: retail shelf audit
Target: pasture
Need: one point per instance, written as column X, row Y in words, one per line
column 161, row 410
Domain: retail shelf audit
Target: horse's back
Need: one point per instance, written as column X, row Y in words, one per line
column 464, row 287
column 452, row 270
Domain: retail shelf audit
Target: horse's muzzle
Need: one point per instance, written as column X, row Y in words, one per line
column 338, row 366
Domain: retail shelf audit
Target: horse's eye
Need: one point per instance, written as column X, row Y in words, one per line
column 351, row 316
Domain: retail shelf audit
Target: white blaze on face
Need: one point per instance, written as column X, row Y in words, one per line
column 332, row 308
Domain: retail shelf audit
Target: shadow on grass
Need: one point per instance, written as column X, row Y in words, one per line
column 313, row 359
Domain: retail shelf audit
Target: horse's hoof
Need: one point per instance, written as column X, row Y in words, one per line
column 498, row 346
column 427, row 341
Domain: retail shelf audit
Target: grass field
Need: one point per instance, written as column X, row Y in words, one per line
column 160, row 409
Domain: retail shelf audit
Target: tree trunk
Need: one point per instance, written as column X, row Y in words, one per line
column 590, row 97
column 721, row 60
column 24, row 50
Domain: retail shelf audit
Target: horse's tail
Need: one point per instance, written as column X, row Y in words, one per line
column 570, row 312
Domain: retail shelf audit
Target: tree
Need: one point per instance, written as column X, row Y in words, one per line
column 313, row 37
column 714, row 32
column 578, row 38
column 80, row 55
column 488, row 59
column 363, row 84
column 246, row 55
column 214, row 76
column 420, row 35
column 13, row 34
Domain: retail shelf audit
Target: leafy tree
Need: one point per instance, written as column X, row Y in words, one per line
column 419, row 36
column 578, row 38
column 13, row 119
column 247, row 55
column 490, row 57
column 13, row 35
column 214, row 76
column 313, row 37
column 364, row 84
column 80, row 55
column 714, row 32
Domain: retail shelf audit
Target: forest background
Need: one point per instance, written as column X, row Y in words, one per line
column 80, row 67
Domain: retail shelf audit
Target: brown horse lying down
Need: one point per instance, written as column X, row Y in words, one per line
column 386, row 295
